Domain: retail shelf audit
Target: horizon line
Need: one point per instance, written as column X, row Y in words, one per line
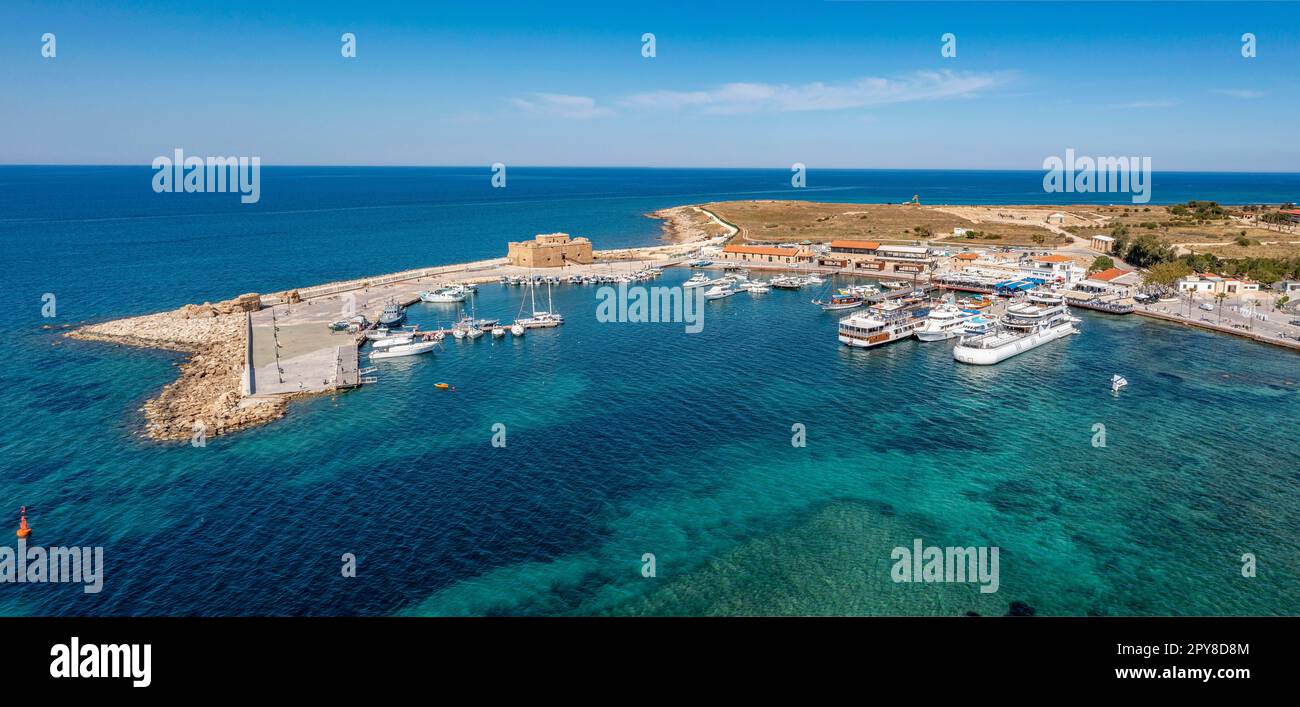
column 664, row 167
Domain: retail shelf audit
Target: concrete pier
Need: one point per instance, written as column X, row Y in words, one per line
column 293, row 350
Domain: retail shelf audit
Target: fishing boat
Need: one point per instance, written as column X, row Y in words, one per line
column 787, row 283
column 839, row 302
column 697, row 280
column 880, row 324
column 404, row 350
column 1117, row 382
column 947, row 321
column 1024, row 326
column 394, row 314
column 895, row 285
column 718, row 292
column 757, row 287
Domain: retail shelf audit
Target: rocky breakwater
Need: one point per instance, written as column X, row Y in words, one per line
column 208, row 395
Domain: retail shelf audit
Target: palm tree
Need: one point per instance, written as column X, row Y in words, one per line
column 1221, row 296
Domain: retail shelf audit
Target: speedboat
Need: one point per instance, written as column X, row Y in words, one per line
column 1116, row 382
column 758, row 288
column 404, row 350
column 947, row 321
column 388, row 343
column 718, row 292
column 498, row 332
column 517, row 329
column 697, row 280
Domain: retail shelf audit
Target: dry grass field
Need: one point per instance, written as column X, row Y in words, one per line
column 793, row 221
column 774, row 221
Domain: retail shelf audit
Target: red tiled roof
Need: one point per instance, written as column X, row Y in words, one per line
column 1108, row 274
column 865, row 245
column 759, row 250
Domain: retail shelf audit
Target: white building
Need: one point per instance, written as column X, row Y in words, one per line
column 1054, row 268
column 1216, row 284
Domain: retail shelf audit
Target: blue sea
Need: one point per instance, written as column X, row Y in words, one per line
column 622, row 440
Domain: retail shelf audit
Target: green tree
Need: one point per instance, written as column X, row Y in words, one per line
column 1166, row 274
column 1147, row 250
column 1101, row 262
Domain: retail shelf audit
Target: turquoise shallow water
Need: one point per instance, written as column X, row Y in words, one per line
column 625, row 439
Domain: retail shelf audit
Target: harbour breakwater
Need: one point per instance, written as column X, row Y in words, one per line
column 206, row 398
column 210, row 397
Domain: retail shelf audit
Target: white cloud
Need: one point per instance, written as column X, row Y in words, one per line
column 562, row 106
column 1239, row 92
column 867, row 91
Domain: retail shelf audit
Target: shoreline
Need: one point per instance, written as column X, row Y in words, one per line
column 211, row 394
column 214, row 392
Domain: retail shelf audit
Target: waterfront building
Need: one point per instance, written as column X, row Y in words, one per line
column 767, row 254
column 1114, row 282
column 1054, row 268
column 549, row 250
column 872, row 256
column 1209, row 284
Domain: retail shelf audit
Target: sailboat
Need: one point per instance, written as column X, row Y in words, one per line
column 539, row 320
column 470, row 325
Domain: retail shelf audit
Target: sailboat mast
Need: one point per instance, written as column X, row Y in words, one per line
column 532, row 290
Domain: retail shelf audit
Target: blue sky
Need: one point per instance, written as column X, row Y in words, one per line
column 828, row 84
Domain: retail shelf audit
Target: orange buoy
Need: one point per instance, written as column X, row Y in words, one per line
column 23, row 529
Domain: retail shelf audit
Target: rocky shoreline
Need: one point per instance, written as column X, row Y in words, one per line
column 687, row 224
column 207, row 396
